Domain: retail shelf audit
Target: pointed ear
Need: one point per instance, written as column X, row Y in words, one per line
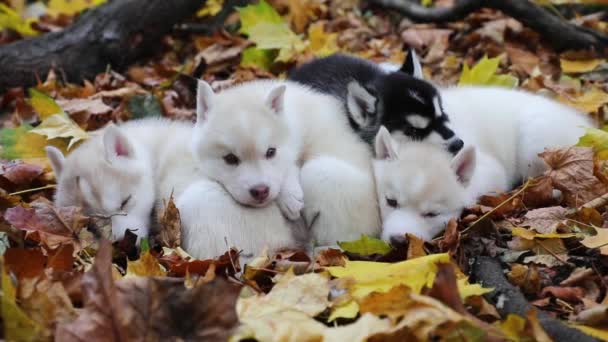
column 360, row 103
column 384, row 145
column 464, row 163
column 116, row 144
column 276, row 99
column 56, row 158
column 412, row 66
column 204, row 96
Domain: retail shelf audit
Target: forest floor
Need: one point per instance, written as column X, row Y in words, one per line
column 59, row 281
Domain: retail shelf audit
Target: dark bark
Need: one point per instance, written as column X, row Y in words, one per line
column 561, row 34
column 114, row 34
column 488, row 272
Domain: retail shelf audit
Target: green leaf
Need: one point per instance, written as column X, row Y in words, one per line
column 144, row 245
column 44, row 105
column 596, row 138
column 258, row 58
column 9, row 19
column 265, row 27
column 426, row 3
column 366, row 246
column 20, row 143
column 61, row 126
column 144, row 106
column 484, row 73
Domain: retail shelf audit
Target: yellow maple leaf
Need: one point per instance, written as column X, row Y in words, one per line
column 71, row 7
column 602, row 334
column 322, row 43
column 530, row 234
column 484, row 73
column 10, row 19
column 20, row 143
column 61, row 126
column 43, row 104
column 145, row 266
column 577, row 67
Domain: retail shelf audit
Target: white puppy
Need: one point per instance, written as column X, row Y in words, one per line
column 270, row 140
column 420, row 187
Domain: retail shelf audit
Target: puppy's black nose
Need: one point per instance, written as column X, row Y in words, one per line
column 455, row 146
column 259, row 192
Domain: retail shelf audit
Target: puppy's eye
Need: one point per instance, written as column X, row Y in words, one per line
column 391, row 202
column 270, row 152
column 231, row 159
column 125, row 202
column 430, row 214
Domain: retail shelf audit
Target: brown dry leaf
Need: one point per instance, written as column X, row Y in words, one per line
column 587, row 102
column 170, row 225
column 483, row 309
column 423, row 37
column 331, row 257
column 451, row 238
column 522, row 60
column 25, row 262
column 46, row 302
column 18, row 172
column 533, row 328
column 415, row 247
column 526, row 277
column 569, row 294
column 495, row 29
column 596, row 316
column 545, row 220
column 55, row 226
column 572, row 172
column 91, row 106
column 301, row 12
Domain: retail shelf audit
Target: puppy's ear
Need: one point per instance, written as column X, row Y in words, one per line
column 360, row 103
column 412, row 66
column 464, row 163
column 56, row 158
column 384, row 145
column 117, row 145
column 276, row 99
column 204, row 97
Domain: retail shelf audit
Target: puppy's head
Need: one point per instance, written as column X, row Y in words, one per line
column 240, row 141
column 405, row 103
column 107, row 176
column 420, row 186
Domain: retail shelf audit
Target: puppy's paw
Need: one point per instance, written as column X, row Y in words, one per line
column 291, row 203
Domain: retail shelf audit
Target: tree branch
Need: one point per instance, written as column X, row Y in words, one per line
column 561, row 34
column 116, row 34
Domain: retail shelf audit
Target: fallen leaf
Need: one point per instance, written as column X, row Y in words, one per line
column 17, row 325
column 257, row 58
column 18, row 172
column 24, row 262
column 56, row 226
column 61, row 126
column 525, row 277
column 529, row 234
column 484, row 73
column 145, row 266
column 572, row 172
column 365, row 246
column 599, row 240
column 601, row 334
column 90, row 106
column 590, row 101
column 10, row 19
column 211, row 8
column 545, row 221
column 43, row 104
column 415, row 247
column 580, row 66
column 330, row 257
column 598, row 139
column 569, row 294
column 71, row 7
column 170, row 225
column 322, row 43
column 20, row 143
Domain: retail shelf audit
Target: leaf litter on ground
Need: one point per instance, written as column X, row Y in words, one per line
column 59, row 281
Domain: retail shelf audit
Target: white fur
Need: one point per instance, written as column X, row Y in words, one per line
column 418, row 121
column 312, row 130
column 355, row 96
column 503, row 130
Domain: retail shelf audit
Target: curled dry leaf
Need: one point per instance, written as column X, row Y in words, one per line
column 18, row 172
column 170, row 225
column 569, row 294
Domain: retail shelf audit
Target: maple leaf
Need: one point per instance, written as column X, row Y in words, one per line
column 598, row 139
column 256, row 57
column 572, row 171
column 599, row 240
column 170, row 223
column 10, row 19
column 322, row 43
column 265, row 27
column 61, row 126
column 55, row 226
column 146, row 265
column 589, row 101
column 20, row 143
column 71, row 7
column 44, row 105
column 484, row 73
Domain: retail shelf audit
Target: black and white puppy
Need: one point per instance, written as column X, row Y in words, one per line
column 374, row 96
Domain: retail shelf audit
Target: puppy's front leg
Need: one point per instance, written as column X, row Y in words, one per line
column 291, row 196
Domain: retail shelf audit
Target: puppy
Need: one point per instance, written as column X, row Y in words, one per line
column 373, row 96
column 280, row 142
column 421, row 187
